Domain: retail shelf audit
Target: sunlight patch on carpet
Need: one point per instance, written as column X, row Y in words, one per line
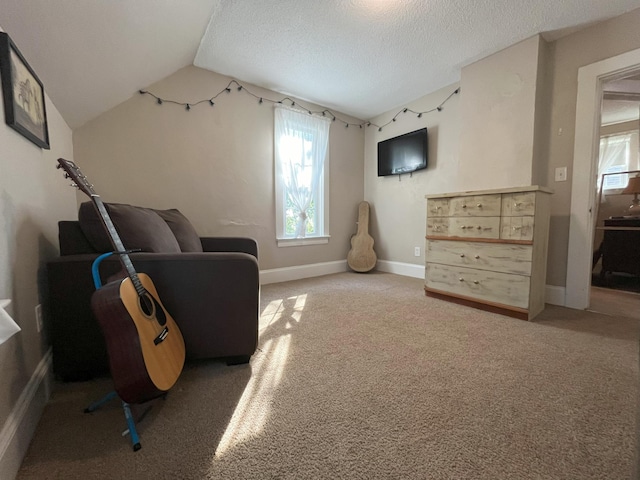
column 267, row 366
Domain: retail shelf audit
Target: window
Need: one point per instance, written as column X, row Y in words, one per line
column 302, row 181
column 616, row 156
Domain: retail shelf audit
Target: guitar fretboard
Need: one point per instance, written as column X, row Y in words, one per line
column 116, row 242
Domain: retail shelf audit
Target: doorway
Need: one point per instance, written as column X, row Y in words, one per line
column 586, row 149
column 615, row 282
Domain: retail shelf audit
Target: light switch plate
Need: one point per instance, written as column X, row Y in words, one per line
column 561, row 174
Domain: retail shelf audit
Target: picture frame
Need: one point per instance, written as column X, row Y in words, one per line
column 23, row 95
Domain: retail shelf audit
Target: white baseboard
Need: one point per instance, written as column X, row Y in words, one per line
column 21, row 423
column 399, row 268
column 554, row 295
column 277, row 275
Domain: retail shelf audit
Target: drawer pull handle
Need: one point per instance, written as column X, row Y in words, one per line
column 479, row 227
column 461, row 279
column 462, row 255
column 517, row 204
column 517, row 228
column 464, row 206
column 463, row 227
column 477, row 257
column 476, row 282
column 479, row 205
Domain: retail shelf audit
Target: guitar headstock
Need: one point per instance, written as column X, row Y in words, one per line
column 79, row 180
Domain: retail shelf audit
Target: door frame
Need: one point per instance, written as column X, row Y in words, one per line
column 585, row 168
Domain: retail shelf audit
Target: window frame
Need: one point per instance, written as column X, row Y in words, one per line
column 626, row 137
column 321, row 196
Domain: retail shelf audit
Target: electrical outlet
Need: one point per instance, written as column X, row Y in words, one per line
column 39, row 317
column 416, row 251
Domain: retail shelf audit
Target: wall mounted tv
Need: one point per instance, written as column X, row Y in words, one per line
column 404, row 154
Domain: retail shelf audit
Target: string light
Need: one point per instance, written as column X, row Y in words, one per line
column 261, row 100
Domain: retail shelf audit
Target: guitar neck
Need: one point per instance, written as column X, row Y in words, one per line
column 116, row 242
column 363, row 219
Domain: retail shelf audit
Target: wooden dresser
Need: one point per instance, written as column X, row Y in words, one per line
column 488, row 249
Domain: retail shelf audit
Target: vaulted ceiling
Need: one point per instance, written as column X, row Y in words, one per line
column 360, row 57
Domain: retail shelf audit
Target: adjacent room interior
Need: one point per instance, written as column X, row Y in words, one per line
column 333, row 322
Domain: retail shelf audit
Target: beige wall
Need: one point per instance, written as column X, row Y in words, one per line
column 33, row 197
column 215, row 164
column 568, row 54
column 497, row 117
column 398, row 206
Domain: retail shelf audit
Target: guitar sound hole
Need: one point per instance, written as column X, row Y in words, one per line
column 151, row 309
column 147, row 306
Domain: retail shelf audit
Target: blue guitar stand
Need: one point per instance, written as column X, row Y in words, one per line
column 135, row 440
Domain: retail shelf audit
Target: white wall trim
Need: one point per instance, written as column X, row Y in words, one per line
column 297, row 272
column 555, row 295
column 21, row 423
column 399, row 268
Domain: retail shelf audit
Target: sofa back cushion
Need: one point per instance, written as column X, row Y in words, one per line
column 137, row 227
column 182, row 229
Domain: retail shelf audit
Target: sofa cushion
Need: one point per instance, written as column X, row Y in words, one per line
column 182, row 229
column 137, row 227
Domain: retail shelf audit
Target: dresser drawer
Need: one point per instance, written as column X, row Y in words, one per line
column 438, row 207
column 482, row 285
column 438, row 226
column 516, row 228
column 465, row 227
column 475, row 206
column 518, row 204
column 475, row 227
column 497, row 257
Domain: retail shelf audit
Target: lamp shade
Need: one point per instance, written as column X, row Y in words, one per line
column 633, row 186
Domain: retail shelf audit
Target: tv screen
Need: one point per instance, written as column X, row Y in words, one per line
column 404, row 154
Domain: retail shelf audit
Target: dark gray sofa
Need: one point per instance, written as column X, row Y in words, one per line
column 209, row 285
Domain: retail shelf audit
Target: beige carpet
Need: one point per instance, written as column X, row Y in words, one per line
column 615, row 302
column 362, row 376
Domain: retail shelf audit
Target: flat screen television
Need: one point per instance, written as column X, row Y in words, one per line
column 403, row 154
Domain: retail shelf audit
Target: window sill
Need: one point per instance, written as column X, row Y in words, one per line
column 298, row 242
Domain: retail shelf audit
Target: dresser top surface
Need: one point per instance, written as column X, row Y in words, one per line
column 530, row 188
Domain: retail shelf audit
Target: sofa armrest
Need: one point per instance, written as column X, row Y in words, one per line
column 213, row 297
column 230, row 244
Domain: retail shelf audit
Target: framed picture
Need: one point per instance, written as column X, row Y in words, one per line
column 23, row 95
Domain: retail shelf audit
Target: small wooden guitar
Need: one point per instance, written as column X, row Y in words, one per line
column 145, row 347
column 361, row 257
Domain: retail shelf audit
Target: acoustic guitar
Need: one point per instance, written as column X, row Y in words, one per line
column 361, row 257
column 145, row 346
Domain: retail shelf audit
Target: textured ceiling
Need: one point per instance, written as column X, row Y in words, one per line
column 361, row 57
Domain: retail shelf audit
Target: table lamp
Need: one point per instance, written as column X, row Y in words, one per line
column 633, row 188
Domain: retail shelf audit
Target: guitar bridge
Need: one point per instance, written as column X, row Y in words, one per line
column 160, row 338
